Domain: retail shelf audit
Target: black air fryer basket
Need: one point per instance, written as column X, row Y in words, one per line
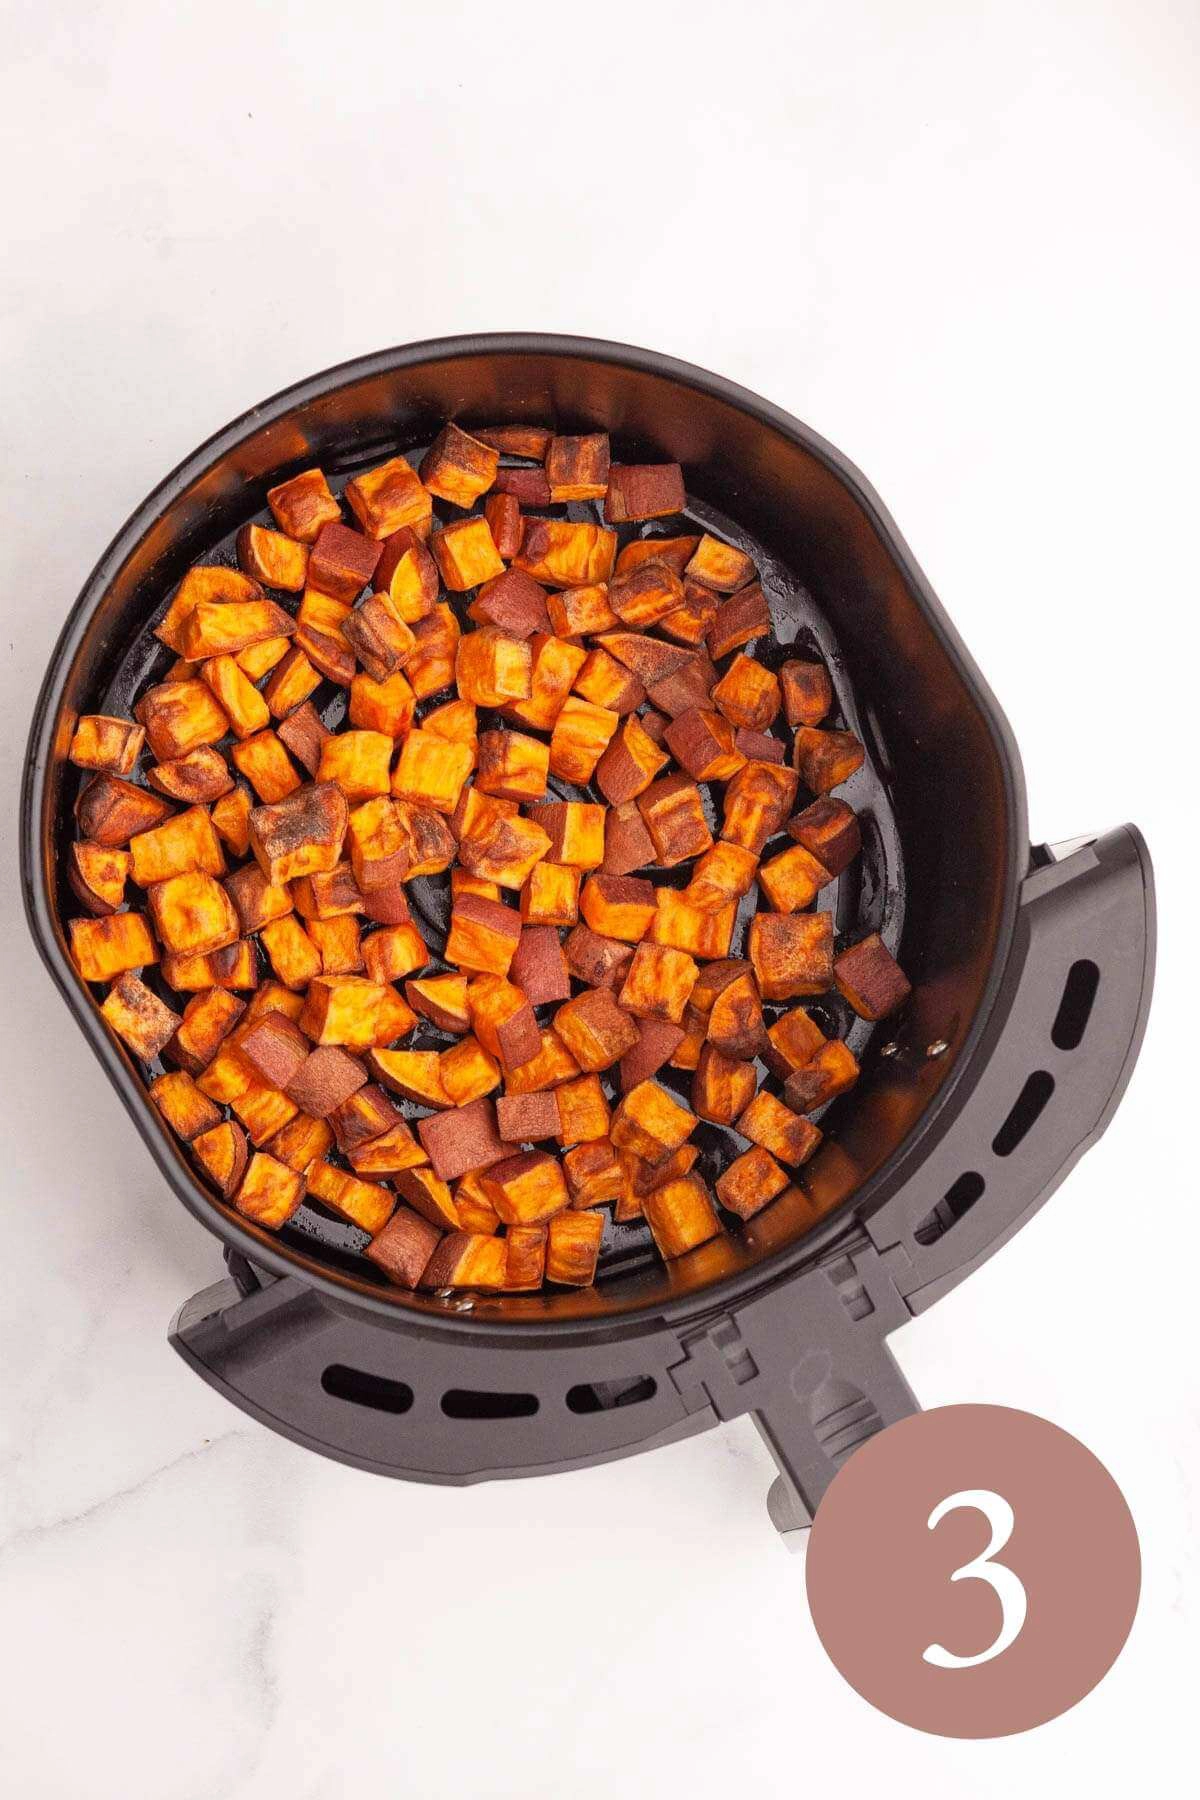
column 1031, row 968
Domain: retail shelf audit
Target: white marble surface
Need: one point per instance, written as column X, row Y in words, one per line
column 958, row 241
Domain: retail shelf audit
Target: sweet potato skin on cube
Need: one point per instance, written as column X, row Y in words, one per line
column 404, row 1246
column 139, row 1018
column 639, row 491
column 750, row 1182
column 871, row 979
column 328, row 1076
column 787, row 1135
column 792, row 953
column 595, row 1030
column 828, row 830
column 460, row 1142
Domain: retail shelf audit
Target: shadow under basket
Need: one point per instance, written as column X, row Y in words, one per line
column 1031, row 968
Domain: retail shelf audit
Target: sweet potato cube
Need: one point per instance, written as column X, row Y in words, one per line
column 430, row 841
column 788, row 1136
column 514, row 603
column 342, row 1009
column 207, row 583
column 231, row 820
column 179, row 716
column 828, row 830
column 745, row 616
column 185, row 843
column 645, row 1177
column 576, row 832
column 758, row 746
column 832, row 1070
column 361, row 1203
column 595, row 1030
column 240, row 700
column 138, row 1017
column 222, row 1154
column 302, row 505
column 302, row 834
column 342, row 561
column 719, row 566
column 458, row 467
column 463, row 1141
column 658, row 982
column 270, row 1192
column 192, row 914
column 577, row 467
column 465, row 1260
column 457, row 721
column 492, row 669
column 524, row 1258
column 651, row 1123
column 674, row 816
column 792, row 1042
column 527, row 1188
column 387, row 498
column 304, row 734
column 263, row 1110
column 681, row 1216
column 639, row 491
column 266, row 765
column 686, row 1054
column 554, row 666
column 629, row 764
column 503, row 515
column 793, row 880
column 328, row 1076
column 381, row 845
column 580, row 611
column 757, row 801
column 468, row 1072
column 388, row 1155
column 748, row 694
column 381, row 642
column 722, row 1087
column 687, row 689
column 255, row 899
column 573, row 1247
column 483, row 935
column 580, row 737
column 539, row 967
column 393, row 952
column 404, row 1247
column 594, row 1173
column 503, row 1019
column 551, row 895
column 430, row 771
column 658, row 1040
column 721, row 876
column 294, row 957
column 750, row 1181
column 512, row 765
column 396, row 1018
column 627, row 843
column 552, row 1065
column 735, row 1018
column 98, row 876
column 207, row 1019
column 272, row 558
column 442, row 999
column 792, row 953
column 675, row 552
column 618, row 906
column 563, row 554
column 275, row 1048
column 528, row 487
column 112, row 745
column 413, row 1074
column 527, row 1118
column 319, row 622
column 110, row 811
column 195, row 779
column 517, row 440
column 646, row 594
column 226, row 627
column 583, row 1113
column 702, row 743
column 406, row 577
column 871, row 979
column 807, row 692
column 328, row 894
column 257, row 660
column 600, row 962
column 827, row 758
column 682, row 927
column 466, row 554
column 691, row 622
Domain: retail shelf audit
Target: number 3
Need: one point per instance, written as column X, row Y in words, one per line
column 1007, row 1586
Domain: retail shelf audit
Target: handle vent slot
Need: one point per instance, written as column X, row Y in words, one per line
column 1026, row 1110
column 476, row 1403
column 1075, row 1007
column 362, row 1389
column 603, row 1396
column 958, row 1199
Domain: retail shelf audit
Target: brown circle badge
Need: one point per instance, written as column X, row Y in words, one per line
column 973, row 1571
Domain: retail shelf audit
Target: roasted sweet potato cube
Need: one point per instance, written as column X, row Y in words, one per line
column 554, row 666
column 430, row 841
column 674, row 816
column 600, row 962
column 263, row 1110
column 807, row 692
column 294, row 957
column 319, row 633
column 576, row 832
column 627, row 843
column 466, row 554
column 750, row 1181
column 577, row 467
column 721, row 876
column 552, row 1064
column 681, row 1216
column 211, row 583
column 328, row 894
column 327, row 1077
column 342, row 1009
column 651, row 1123
column 381, row 845
column 503, row 515
column 462, row 1141
column 413, row 1074
column 792, row 953
column 403, row 1247
column 458, row 467
column 139, row 1017
column 639, row 491
column 595, row 1029
column 686, row 1054
column 388, row 1154
column 222, row 1153
column 512, row 765
column 493, row 669
column 594, row 1173
column 239, row 699
column 827, row 758
column 645, row 1177
column 583, row 1113
column 516, row 440
column 563, row 554
column 272, row 558
column 98, row 876
column 275, row 1048
column 303, row 505
column 528, row 487
column 832, row 1070
column 629, row 764
column 702, row 743
column 539, row 967
column 828, row 830
column 580, row 611
column 468, row 1072
column 722, row 1087
column 477, row 812
column 618, row 906
column 304, row 734
column 342, row 561
column 483, row 935
column 748, row 694
column 527, row 1118
column 606, row 682
column 792, row 1042
column 301, row 834
column 793, row 879
column 658, row 983
column 524, row 1258
column 270, row 1192
column 442, row 999
column 394, row 951
column 257, row 660
column 463, row 1259
column 430, row 771
column 192, row 914
column 514, row 603
column 226, row 627
column 871, row 979
column 387, row 498
column 381, row 642
column 687, row 688
column 573, row 1247
column 551, row 895
column 644, row 595
column 406, row 576
column 255, row 899
column 658, row 1040
column 266, row 765
column 396, row 1018
column 735, row 1019
column 741, row 618
column 112, row 745
column 527, row 1188
column 759, row 746
column 757, row 801
column 195, row 779
column 207, row 1019
column 184, row 843
column 691, row 622
column 788, row 1136
column 179, row 716
column 648, row 658
column 362, row 1203
column 719, row 566
column 503, row 1019
column 681, row 927
column 675, row 552
column 231, row 820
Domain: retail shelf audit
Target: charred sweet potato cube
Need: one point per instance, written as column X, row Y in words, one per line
column 827, row 758
column 255, row 899
column 627, row 843
column 468, row 1072
column 639, row 491
column 302, row 505
column 406, row 577
column 674, row 817
column 682, row 927
column 719, row 566
column 98, row 876
column 828, row 830
column 512, row 765
column 225, row 627
column 871, row 979
column 503, row 515
column 231, row 820
column 793, row 879
column 580, row 736
column 195, row 779
column 381, row 642
column 430, row 771
column 702, row 743
column 266, row 765
column 651, row 1123
column 792, row 953
column 458, row 467
column 381, row 846
column 342, row 1009
column 807, row 692
column 184, row 843
column 386, row 499
column 327, row 894
column 302, row 834
column 404, row 1247
column 483, row 935
column 722, row 875
column 430, row 842
column 303, row 733
column 139, row 1017
column 528, row 487
column 466, row 554
column 583, row 1113
column 757, row 801
column 203, row 583
column 646, row 594
column 362, row 1203
column 595, row 1030
column 461, row 1142
column 526, row 1189
column 328, row 1076
column 722, row 1087
column 442, row 999
column 792, row 1042
column 112, row 745
column 222, row 1154
column 192, row 914
column 658, row 1040
column 394, row 951
column 580, row 611
column 563, row 554
column 517, row 440
column 658, row 983
column 524, row 1258
column 527, row 1118
column 179, row 716
column 573, row 1247
column 506, row 851
column 788, row 1136
column 463, row 1259
column 748, row 694
column 389, row 1154
column 514, row 603
column 741, row 618
column 270, row 1192
column 600, row 962
column 293, row 954
column 551, row 895
column 275, row 1048
column 577, row 467
column 552, row 1065
column 257, row 660
column 832, row 1070
column 273, row 558
column 413, row 1074
column 319, row 633
column 207, row 1019
column 618, row 906
column 606, row 682
column 342, row 561
column 539, row 967
column 629, row 764
column 750, row 1181
column 239, row 699
column 554, row 666
column 681, row 1216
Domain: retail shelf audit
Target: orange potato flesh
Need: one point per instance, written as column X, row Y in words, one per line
column 103, row 743
column 270, row 1192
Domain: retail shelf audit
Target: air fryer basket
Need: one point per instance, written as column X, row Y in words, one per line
column 1032, row 977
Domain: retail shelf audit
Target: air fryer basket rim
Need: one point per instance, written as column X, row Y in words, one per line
column 344, row 1291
